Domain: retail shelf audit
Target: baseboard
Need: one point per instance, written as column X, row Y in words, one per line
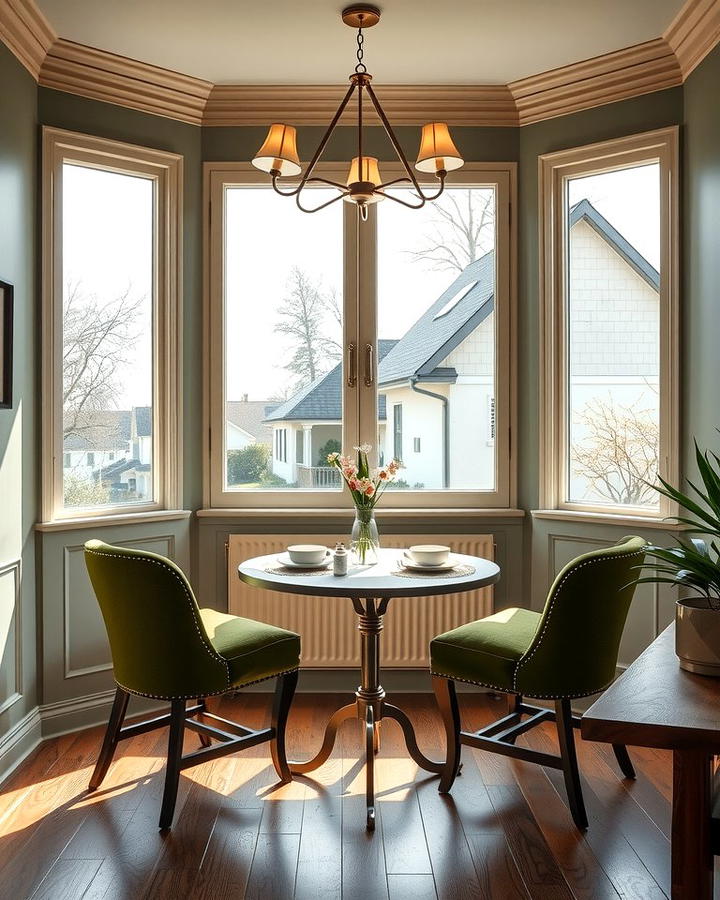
column 19, row 742
column 65, row 716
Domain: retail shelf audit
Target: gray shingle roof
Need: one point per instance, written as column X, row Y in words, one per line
column 321, row 400
column 143, row 421
column 101, row 429
column 250, row 416
column 431, row 339
column 585, row 210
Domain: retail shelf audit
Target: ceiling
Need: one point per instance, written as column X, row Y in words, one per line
column 289, row 42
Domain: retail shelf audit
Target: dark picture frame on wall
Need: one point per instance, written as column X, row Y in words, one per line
column 7, row 296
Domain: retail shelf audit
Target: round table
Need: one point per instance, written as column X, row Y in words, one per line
column 370, row 588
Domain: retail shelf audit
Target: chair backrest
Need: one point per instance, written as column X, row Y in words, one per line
column 574, row 651
column 158, row 642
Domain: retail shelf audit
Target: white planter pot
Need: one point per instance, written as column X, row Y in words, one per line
column 697, row 637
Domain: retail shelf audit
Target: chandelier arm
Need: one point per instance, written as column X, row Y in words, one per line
column 322, row 205
column 441, row 176
column 386, row 184
column 403, row 202
column 337, row 184
column 326, row 137
column 393, row 140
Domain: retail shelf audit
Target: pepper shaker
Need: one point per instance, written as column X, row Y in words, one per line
column 340, row 560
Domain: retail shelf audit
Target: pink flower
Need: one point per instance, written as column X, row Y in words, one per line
column 369, row 490
column 354, row 484
column 350, row 471
column 383, row 475
column 345, row 461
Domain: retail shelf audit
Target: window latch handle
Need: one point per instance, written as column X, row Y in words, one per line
column 369, row 365
column 351, row 366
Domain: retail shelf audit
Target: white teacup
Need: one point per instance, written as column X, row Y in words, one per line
column 307, row 554
column 429, row 554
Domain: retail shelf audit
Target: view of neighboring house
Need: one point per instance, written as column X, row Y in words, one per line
column 437, row 398
column 614, row 338
column 113, row 448
column 245, row 421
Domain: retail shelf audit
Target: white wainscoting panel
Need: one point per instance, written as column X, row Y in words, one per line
column 328, row 625
column 10, row 635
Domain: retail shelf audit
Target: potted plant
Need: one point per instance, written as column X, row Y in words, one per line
column 694, row 566
column 366, row 487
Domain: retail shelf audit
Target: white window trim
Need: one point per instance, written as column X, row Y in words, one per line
column 167, row 170
column 554, row 169
column 218, row 175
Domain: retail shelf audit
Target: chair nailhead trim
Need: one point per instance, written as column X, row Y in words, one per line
column 210, row 650
column 504, row 690
column 194, row 694
column 553, row 604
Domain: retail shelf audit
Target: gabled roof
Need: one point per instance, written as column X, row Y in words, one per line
column 143, row 420
column 250, row 415
column 100, row 429
column 321, row 400
column 439, row 331
column 586, row 211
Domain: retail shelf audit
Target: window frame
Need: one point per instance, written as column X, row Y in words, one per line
column 360, row 279
column 166, row 171
column 554, row 169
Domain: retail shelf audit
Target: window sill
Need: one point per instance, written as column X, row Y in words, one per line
column 155, row 515
column 570, row 515
column 347, row 512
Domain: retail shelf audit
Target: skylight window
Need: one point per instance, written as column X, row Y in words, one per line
column 454, row 300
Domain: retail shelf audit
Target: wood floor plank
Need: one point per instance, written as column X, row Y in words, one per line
column 495, row 866
column 68, row 878
column 225, row 867
column 417, row 887
column 273, row 867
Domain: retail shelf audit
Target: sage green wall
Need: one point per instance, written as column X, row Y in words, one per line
column 18, row 444
column 701, row 251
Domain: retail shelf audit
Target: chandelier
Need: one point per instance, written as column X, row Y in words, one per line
column 437, row 155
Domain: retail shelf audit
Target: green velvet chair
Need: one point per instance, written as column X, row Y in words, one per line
column 164, row 647
column 566, row 652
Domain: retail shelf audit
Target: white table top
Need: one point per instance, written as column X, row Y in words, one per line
column 369, row 581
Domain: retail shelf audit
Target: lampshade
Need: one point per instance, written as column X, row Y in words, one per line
column 437, row 150
column 369, row 172
column 279, row 152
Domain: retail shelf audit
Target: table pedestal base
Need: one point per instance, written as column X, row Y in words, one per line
column 370, row 707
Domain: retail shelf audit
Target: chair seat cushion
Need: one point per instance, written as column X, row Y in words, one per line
column 487, row 651
column 253, row 650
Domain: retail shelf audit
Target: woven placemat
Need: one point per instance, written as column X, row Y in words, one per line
column 279, row 569
column 455, row 572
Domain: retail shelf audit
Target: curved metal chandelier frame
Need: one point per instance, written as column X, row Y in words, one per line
column 361, row 188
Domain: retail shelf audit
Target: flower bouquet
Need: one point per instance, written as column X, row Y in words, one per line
column 366, row 487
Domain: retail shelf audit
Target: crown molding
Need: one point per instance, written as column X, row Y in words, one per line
column 26, row 33
column 77, row 69
column 694, row 32
column 100, row 75
column 641, row 69
column 404, row 104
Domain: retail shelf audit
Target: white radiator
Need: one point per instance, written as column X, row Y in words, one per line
column 328, row 624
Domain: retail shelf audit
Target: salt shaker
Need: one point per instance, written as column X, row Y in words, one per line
column 340, row 560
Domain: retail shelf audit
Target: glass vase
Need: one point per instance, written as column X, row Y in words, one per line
column 364, row 538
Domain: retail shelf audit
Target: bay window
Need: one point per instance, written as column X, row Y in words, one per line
column 111, row 246
column 610, row 367
column 326, row 332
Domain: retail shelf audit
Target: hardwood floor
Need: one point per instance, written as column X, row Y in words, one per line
column 504, row 834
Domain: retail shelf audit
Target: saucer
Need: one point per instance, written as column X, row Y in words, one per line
column 284, row 560
column 407, row 563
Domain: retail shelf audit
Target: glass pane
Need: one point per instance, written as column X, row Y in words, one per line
column 283, row 334
column 613, row 288
column 436, row 328
column 108, row 298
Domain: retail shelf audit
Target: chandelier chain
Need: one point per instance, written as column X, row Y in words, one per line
column 360, row 68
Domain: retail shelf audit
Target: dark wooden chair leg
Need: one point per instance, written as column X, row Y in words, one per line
column 284, row 693
column 110, row 741
column 204, row 738
column 623, row 760
column 446, row 698
column 515, row 702
column 566, row 739
column 174, row 757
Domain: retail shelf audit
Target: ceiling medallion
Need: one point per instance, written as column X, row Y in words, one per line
column 437, row 155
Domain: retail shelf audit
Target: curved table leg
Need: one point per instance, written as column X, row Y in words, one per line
column 392, row 712
column 376, row 741
column 338, row 717
column 370, row 767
